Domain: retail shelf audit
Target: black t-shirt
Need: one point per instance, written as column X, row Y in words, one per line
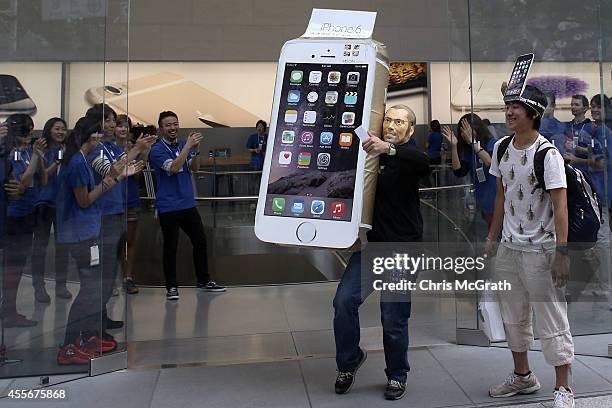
column 397, row 209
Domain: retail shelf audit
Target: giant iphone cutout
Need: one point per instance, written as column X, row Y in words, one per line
column 317, row 186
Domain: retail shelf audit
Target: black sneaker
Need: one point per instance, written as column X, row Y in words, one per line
column 345, row 380
column 41, row 295
column 395, row 390
column 210, row 287
column 113, row 324
column 172, row 294
column 130, row 286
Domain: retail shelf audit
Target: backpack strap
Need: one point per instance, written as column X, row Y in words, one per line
column 538, row 164
column 503, row 146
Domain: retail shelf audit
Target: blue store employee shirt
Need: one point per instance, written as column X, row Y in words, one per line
column 434, row 141
column 133, row 192
column 253, row 142
column 174, row 191
column 603, row 135
column 112, row 201
column 76, row 224
column 25, row 204
column 48, row 193
column 484, row 192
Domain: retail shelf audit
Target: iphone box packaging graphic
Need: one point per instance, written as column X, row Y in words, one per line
column 318, row 184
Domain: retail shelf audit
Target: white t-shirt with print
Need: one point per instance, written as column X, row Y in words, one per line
column 528, row 212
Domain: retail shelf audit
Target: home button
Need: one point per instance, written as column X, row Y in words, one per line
column 306, row 232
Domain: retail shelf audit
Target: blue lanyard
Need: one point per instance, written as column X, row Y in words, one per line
column 109, row 153
column 581, row 129
column 176, row 153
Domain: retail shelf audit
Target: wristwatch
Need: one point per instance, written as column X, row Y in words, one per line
column 562, row 249
column 392, row 151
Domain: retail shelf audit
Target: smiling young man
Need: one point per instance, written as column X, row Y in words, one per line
column 397, row 218
column 532, row 255
column 579, row 134
column 173, row 162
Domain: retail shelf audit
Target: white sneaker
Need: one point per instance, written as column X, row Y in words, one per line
column 563, row 398
column 515, row 384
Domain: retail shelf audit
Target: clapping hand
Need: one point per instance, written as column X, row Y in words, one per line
column 449, row 135
column 194, row 139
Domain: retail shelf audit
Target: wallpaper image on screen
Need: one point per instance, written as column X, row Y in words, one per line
column 315, row 148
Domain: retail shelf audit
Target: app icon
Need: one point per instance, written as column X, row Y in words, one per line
column 347, row 46
column 326, row 138
column 312, row 97
column 296, row 77
column 331, row 97
column 346, row 139
column 350, row 98
column 338, row 209
column 291, row 116
column 307, row 137
column 284, row 157
column 288, row 136
column 323, row 159
column 310, row 117
column 352, row 77
column 317, row 207
column 304, row 159
column 355, row 53
column 315, row 77
column 333, row 77
column 297, row 206
column 356, row 47
column 348, row 118
column 346, row 54
column 329, row 116
column 278, row 204
column 293, row 96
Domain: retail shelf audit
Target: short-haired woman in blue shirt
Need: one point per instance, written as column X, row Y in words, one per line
column 54, row 134
column 24, row 167
column 79, row 215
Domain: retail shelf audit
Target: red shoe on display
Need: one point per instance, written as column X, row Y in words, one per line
column 72, row 354
column 95, row 344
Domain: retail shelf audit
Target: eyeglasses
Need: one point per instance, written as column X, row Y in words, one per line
column 397, row 122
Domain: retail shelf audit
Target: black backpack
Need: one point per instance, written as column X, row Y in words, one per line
column 583, row 205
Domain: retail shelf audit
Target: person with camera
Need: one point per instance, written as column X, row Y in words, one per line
column 54, row 134
column 173, row 162
column 24, row 166
column 79, row 220
column 113, row 203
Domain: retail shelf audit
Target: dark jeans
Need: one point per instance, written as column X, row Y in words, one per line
column 190, row 222
column 112, row 229
column 45, row 218
column 86, row 311
column 18, row 247
column 394, row 318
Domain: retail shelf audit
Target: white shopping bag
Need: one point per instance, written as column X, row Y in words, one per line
column 489, row 316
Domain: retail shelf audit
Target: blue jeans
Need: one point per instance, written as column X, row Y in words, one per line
column 394, row 318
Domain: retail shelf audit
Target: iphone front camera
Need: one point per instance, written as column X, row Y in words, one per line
column 312, row 55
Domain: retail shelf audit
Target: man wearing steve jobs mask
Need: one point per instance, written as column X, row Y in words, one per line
column 397, row 218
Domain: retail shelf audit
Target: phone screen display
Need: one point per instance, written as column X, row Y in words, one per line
column 314, row 159
column 518, row 79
